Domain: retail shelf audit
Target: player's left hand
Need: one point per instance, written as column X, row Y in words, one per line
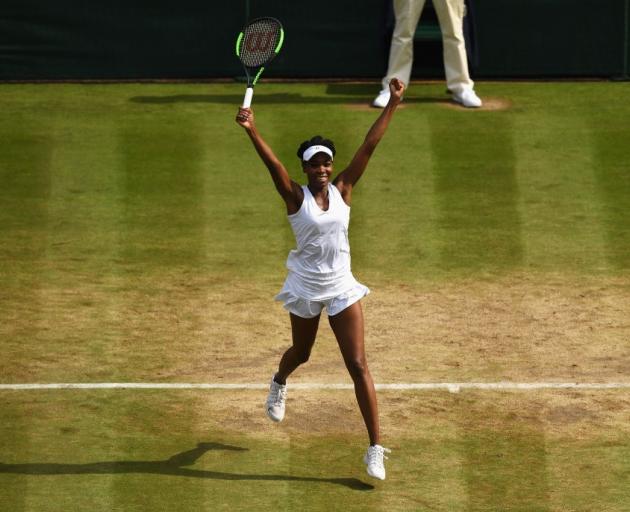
column 396, row 89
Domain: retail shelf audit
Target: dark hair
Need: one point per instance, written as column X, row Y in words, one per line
column 318, row 140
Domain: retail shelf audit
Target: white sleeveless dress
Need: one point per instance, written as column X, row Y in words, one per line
column 319, row 268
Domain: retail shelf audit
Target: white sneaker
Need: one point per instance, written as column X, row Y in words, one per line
column 374, row 460
column 276, row 400
column 382, row 99
column 468, row 98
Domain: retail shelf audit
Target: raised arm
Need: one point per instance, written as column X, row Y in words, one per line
column 348, row 178
column 288, row 189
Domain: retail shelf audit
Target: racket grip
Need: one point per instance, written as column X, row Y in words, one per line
column 249, row 93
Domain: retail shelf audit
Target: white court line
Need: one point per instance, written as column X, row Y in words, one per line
column 453, row 387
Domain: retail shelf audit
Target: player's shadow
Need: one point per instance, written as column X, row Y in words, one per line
column 174, row 466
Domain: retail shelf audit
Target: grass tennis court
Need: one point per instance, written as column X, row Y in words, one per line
column 142, row 241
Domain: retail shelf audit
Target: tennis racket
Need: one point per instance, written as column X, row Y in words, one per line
column 257, row 45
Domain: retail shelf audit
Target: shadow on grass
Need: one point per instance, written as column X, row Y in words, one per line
column 236, row 99
column 359, row 94
column 172, row 466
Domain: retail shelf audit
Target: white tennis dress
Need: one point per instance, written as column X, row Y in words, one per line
column 319, row 268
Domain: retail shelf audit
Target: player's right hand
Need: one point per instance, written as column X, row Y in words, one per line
column 245, row 117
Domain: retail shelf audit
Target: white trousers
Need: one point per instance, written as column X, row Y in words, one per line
column 450, row 15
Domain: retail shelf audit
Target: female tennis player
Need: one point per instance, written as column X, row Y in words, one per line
column 319, row 268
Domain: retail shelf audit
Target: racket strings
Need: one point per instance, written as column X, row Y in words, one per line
column 259, row 42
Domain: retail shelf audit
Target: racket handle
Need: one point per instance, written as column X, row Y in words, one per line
column 249, row 93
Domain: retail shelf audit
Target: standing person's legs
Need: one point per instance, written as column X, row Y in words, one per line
column 303, row 332
column 348, row 329
column 450, row 14
column 407, row 14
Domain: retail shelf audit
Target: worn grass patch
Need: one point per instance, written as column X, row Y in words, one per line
column 191, row 328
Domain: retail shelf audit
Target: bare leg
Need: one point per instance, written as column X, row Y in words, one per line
column 304, row 331
column 348, row 329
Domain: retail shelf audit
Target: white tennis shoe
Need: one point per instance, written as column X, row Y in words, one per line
column 382, row 99
column 468, row 98
column 276, row 400
column 374, row 460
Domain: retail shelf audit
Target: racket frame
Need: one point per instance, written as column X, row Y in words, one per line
column 256, row 71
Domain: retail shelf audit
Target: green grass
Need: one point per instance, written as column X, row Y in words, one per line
column 121, row 450
column 129, row 213
column 128, row 178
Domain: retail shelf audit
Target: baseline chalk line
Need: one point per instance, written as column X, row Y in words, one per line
column 453, row 387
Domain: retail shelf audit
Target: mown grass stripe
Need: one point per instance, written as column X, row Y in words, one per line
column 561, row 210
column 613, row 181
column 476, row 191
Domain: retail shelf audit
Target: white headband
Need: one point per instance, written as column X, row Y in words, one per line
column 308, row 154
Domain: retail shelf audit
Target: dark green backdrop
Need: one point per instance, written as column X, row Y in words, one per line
column 118, row 39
